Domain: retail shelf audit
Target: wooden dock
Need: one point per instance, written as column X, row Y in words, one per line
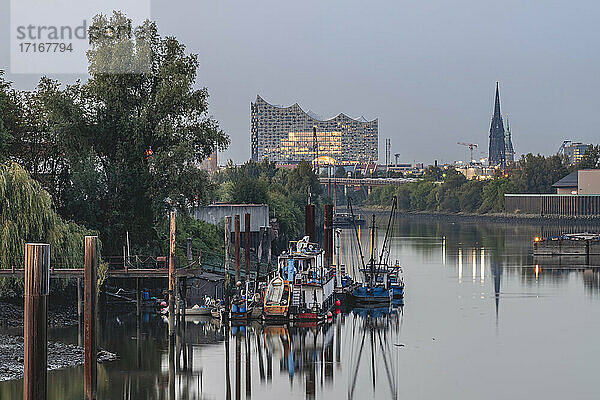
column 576, row 244
column 112, row 273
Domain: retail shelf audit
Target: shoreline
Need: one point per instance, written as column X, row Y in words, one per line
column 494, row 217
column 60, row 355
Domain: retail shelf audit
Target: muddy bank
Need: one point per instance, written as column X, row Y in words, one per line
column 11, row 315
column 60, row 355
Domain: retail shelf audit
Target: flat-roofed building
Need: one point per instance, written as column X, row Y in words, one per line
column 285, row 135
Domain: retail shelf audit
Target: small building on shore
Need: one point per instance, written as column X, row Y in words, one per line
column 577, row 195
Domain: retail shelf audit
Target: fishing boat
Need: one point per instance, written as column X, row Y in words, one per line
column 347, row 220
column 198, row 310
column 396, row 282
column 382, row 283
column 276, row 304
column 242, row 303
column 312, row 283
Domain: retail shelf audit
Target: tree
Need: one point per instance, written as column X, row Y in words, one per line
column 301, row 180
column 127, row 143
column 27, row 215
column 536, row 174
column 590, row 159
column 5, row 136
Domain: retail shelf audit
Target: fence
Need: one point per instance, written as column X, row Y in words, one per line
column 553, row 204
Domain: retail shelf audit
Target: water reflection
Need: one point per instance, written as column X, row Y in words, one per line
column 475, row 298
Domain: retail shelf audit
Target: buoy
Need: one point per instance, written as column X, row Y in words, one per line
column 338, row 303
column 329, row 314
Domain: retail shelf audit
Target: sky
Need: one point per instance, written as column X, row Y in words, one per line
column 426, row 69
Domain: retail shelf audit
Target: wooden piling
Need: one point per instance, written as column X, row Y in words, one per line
column 328, row 235
column 237, row 248
column 309, row 222
column 79, row 300
column 189, row 252
column 172, row 282
column 247, row 244
column 90, row 282
column 227, row 223
column 37, row 286
column 138, row 310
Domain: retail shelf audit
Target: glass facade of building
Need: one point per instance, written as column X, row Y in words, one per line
column 285, row 135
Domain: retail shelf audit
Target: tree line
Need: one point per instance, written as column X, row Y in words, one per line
column 448, row 190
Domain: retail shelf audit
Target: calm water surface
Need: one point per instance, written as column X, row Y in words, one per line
column 481, row 319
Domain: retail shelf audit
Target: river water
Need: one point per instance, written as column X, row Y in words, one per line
column 481, row 319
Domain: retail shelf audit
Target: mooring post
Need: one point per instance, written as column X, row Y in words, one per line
column 79, row 300
column 227, row 223
column 237, row 248
column 138, row 307
column 189, row 253
column 247, row 245
column 309, row 222
column 269, row 242
column 37, row 286
column 328, row 235
column 90, row 282
column 172, row 287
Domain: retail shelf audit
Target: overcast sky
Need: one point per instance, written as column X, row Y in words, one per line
column 427, row 68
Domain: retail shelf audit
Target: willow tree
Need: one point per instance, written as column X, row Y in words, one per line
column 27, row 215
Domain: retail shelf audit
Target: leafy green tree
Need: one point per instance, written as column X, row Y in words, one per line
column 122, row 148
column 536, row 173
column 493, row 194
column 590, row 159
column 469, row 196
column 301, row 180
column 27, row 215
column 5, row 136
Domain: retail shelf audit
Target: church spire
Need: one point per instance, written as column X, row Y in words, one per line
column 497, row 151
column 497, row 113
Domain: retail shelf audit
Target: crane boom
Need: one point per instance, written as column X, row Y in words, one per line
column 471, row 146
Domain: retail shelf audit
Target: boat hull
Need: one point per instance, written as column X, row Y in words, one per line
column 368, row 295
column 397, row 292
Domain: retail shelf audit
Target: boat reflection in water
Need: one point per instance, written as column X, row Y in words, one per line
column 355, row 349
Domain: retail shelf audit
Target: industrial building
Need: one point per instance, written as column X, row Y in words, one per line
column 287, row 135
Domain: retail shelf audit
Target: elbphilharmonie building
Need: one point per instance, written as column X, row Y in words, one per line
column 287, row 135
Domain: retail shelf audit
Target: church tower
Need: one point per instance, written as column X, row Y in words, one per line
column 509, row 150
column 497, row 148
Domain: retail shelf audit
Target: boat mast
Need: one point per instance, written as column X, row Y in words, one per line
column 372, row 248
column 362, row 259
column 387, row 232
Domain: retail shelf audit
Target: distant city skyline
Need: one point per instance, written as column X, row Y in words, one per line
column 425, row 69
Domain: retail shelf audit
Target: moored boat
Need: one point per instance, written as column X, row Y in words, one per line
column 276, row 304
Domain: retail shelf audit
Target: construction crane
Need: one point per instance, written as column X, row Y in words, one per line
column 471, row 146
